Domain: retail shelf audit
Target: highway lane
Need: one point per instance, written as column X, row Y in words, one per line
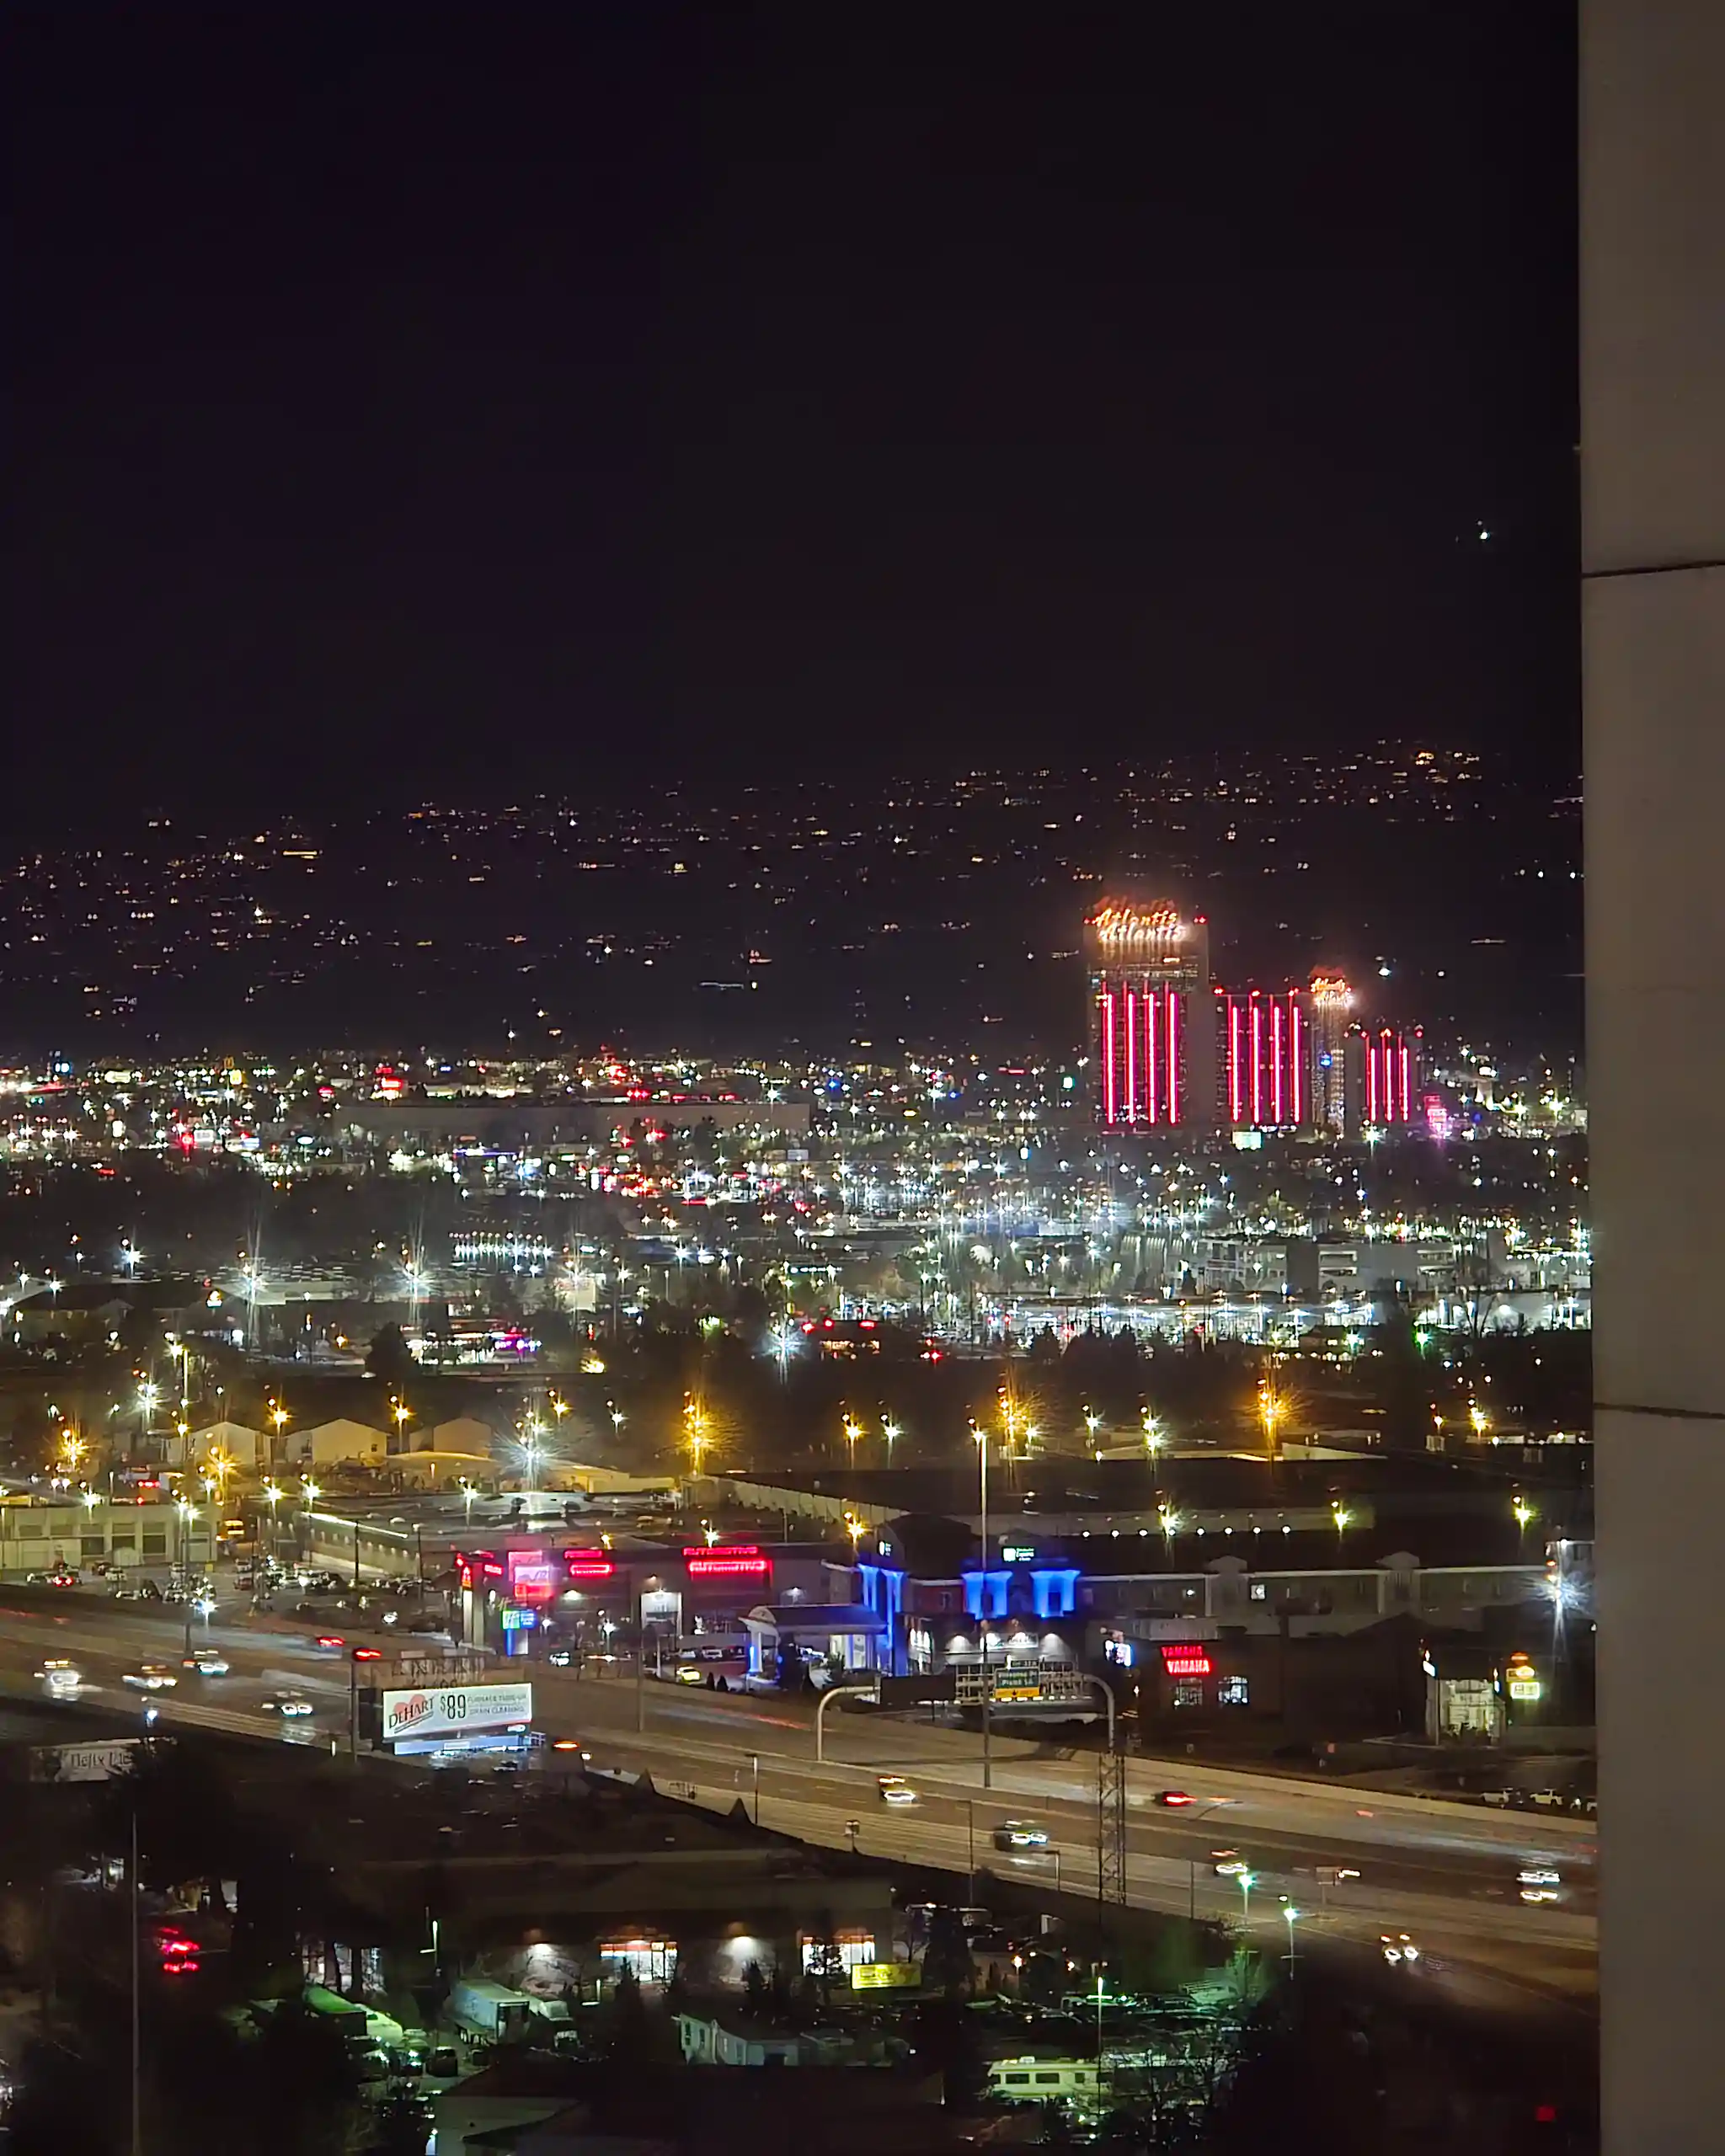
column 1412, row 1840
column 1446, row 1871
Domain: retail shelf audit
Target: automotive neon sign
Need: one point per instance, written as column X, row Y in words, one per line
column 732, row 1560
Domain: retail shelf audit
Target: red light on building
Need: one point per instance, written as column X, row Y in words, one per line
column 586, row 1565
column 1185, row 1662
column 738, row 1560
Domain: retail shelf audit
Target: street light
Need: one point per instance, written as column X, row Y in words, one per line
column 891, row 1432
column 853, row 1430
column 1248, row 1880
column 1292, row 1915
column 1341, row 1515
column 1271, row 1409
column 981, row 1438
column 1092, row 1423
column 1152, row 1434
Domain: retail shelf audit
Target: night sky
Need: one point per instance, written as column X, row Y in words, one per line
column 464, row 401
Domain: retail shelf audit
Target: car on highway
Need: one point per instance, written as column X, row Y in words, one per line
column 331, row 1642
column 1020, row 1834
column 150, row 1677
column 1398, row 1950
column 559, row 1658
column 1228, row 1863
column 291, row 1705
column 145, row 1591
column 1540, row 1883
column 207, row 1662
column 893, row 1788
column 63, row 1577
column 61, row 1679
column 1173, row 1800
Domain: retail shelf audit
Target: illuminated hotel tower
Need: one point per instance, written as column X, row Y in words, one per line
column 1267, row 1059
column 1383, row 1078
column 1150, row 1003
column 1332, row 1015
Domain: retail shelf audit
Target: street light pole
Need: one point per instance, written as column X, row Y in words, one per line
column 137, row 2063
column 982, row 1599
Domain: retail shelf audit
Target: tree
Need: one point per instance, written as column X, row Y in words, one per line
column 400, row 2125
column 389, row 1358
column 946, row 1959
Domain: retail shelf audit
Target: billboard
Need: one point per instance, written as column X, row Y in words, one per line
column 456, row 1711
column 886, row 1975
column 82, row 1762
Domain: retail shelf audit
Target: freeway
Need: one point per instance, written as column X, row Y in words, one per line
column 1444, row 1872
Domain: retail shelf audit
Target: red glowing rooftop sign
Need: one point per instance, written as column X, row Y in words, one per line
column 588, row 1565
column 1185, row 1662
column 727, row 1560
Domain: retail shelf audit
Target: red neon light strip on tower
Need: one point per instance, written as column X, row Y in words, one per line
column 1234, row 1093
column 1148, row 1053
column 1107, row 1057
column 1295, row 1027
column 1173, row 1055
column 1131, row 1057
column 1257, row 1060
column 1405, row 1075
column 1371, row 1080
column 1276, row 1053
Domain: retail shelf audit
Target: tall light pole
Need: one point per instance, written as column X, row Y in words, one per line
column 981, row 1437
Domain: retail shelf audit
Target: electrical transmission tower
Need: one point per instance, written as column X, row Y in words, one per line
column 1111, row 1830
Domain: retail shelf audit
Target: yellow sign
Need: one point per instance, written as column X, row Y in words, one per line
column 886, row 1976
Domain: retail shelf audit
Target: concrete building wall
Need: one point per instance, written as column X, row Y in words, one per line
column 1652, row 238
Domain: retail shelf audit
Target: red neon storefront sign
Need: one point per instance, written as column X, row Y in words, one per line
column 735, row 1561
column 1185, row 1662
